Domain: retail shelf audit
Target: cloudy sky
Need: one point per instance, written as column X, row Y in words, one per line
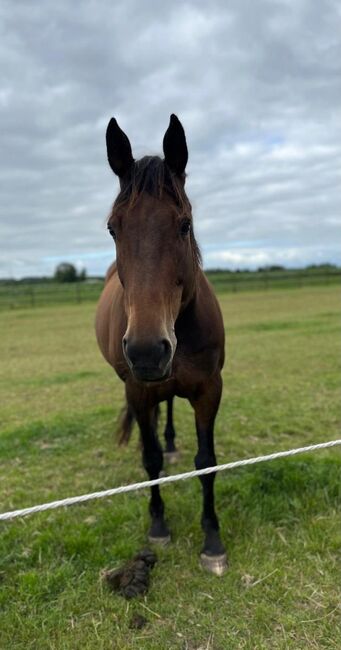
column 257, row 86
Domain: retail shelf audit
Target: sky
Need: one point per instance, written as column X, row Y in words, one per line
column 256, row 85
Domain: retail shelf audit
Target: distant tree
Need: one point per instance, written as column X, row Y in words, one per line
column 82, row 275
column 326, row 266
column 66, row 272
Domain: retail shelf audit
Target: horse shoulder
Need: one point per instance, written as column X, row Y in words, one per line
column 111, row 322
column 208, row 310
column 200, row 331
column 110, row 272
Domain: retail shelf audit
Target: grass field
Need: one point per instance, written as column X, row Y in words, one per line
column 281, row 521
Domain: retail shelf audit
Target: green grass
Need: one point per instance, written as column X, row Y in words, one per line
column 281, row 521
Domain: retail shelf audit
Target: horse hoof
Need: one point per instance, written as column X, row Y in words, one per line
column 171, row 457
column 160, row 541
column 216, row 564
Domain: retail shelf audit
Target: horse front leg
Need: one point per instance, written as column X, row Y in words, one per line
column 213, row 555
column 152, row 458
column 171, row 453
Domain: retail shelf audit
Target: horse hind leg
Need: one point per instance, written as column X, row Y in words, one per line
column 170, row 453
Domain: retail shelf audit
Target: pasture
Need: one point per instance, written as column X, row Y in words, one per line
column 281, row 521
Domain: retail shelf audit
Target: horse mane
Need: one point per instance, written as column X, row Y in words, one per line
column 152, row 175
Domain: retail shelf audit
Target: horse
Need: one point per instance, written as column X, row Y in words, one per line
column 125, row 425
column 158, row 322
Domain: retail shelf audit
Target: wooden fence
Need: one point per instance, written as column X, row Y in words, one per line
column 15, row 295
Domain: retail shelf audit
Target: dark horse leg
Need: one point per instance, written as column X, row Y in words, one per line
column 213, row 556
column 152, row 457
column 171, row 453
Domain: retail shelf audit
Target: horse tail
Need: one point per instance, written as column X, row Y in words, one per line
column 125, row 425
column 126, row 421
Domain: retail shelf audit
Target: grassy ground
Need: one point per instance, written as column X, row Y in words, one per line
column 281, row 521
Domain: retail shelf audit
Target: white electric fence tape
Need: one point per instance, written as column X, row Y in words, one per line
column 162, row 481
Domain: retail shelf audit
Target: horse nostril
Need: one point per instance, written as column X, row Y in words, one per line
column 130, row 350
column 167, row 348
column 124, row 344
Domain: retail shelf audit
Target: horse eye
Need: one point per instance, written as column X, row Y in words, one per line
column 185, row 227
column 112, row 232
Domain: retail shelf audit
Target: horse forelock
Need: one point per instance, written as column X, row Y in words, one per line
column 152, row 175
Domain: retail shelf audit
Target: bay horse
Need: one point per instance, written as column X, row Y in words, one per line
column 125, row 426
column 158, row 322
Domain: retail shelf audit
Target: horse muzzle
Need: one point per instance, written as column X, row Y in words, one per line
column 148, row 361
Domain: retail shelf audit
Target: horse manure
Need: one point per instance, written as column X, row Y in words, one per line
column 132, row 579
column 137, row 622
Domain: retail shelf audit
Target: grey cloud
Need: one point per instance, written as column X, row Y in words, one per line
column 256, row 85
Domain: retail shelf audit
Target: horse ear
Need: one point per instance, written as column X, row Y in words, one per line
column 175, row 147
column 119, row 152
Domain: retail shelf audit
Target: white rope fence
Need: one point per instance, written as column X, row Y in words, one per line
column 162, row 481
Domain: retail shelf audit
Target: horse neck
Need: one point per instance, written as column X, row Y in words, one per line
column 191, row 287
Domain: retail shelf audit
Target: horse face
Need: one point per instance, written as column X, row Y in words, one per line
column 156, row 262
column 151, row 224
column 155, row 267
